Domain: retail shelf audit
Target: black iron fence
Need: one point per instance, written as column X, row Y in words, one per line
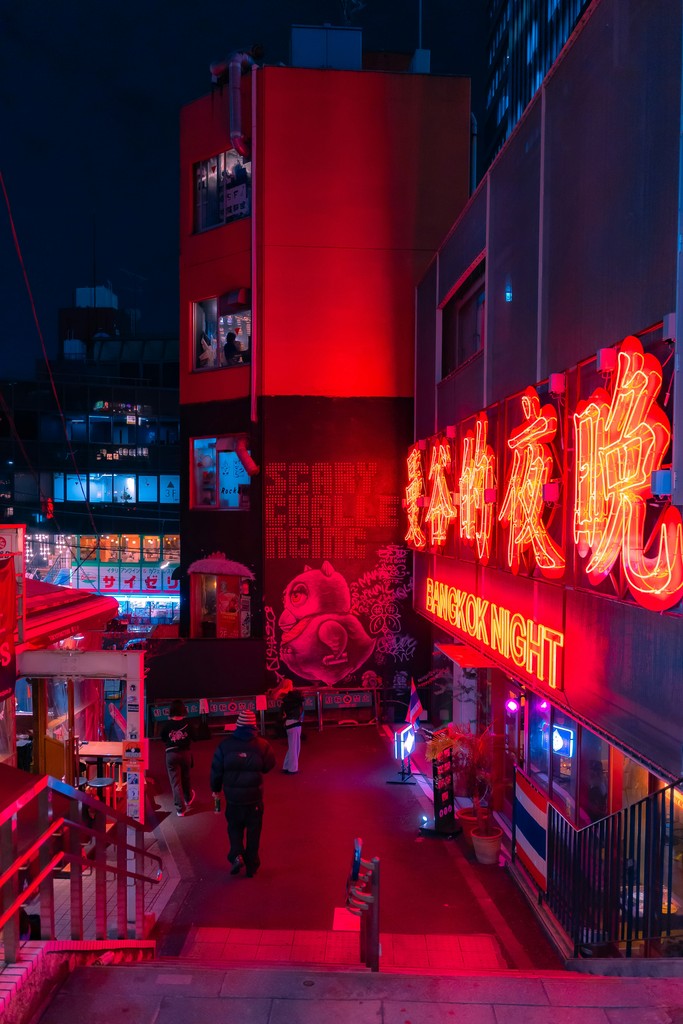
column 611, row 883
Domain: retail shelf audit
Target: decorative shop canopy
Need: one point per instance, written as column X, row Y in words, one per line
column 218, row 565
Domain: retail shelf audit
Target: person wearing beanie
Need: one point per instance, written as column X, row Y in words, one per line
column 177, row 735
column 239, row 763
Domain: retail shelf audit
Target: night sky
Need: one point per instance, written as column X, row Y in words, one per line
column 90, row 93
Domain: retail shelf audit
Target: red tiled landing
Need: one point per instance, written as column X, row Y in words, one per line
column 403, row 952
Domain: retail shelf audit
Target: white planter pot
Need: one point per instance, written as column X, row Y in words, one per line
column 487, row 847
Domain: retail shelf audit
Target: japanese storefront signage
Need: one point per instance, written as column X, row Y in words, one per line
column 613, row 442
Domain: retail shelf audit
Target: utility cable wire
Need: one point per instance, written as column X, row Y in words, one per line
column 39, row 331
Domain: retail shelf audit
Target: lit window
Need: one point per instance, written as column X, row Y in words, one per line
column 151, row 548
column 222, row 336
column 220, row 606
column 171, row 548
column 148, row 488
column 124, row 489
column 169, row 489
column 130, row 548
column 100, row 487
column 75, row 487
column 222, row 190
column 219, row 476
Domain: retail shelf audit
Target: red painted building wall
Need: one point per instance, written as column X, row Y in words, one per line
column 355, row 177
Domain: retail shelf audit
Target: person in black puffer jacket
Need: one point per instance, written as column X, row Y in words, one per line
column 239, row 763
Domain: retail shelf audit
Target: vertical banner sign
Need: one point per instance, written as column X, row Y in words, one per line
column 444, row 791
column 134, row 747
column 8, row 617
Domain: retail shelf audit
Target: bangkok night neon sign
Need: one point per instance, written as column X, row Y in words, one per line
column 620, row 437
column 531, row 646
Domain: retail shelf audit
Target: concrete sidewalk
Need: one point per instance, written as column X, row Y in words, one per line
column 178, row 995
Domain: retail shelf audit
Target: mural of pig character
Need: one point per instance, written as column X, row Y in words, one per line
column 321, row 638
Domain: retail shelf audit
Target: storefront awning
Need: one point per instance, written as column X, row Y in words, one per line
column 53, row 613
column 466, row 657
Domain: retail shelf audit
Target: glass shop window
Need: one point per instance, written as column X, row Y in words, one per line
column 219, row 478
column 169, row 489
column 539, row 747
column 564, row 759
column 100, row 486
column 151, row 548
column 171, row 547
column 58, row 486
column 148, row 488
column 220, row 606
column 109, row 547
column 88, row 549
column 593, row 778
column 220, row 340
column 462, row 323
column 130, row 548
column 222, row 190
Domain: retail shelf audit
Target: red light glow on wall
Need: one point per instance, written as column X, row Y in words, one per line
column 620, row 440
column 477, row 475
column 523, row 507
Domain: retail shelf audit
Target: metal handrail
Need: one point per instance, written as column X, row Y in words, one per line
column 120, row 826
column 610, row 881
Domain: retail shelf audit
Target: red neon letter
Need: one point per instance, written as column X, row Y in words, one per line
column 477, row 473
column 619, row 442
column 442, row 508
column 522, row 509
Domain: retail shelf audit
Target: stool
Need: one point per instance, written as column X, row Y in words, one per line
column 104, row 788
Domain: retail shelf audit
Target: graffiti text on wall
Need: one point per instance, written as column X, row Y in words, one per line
column 325, row 510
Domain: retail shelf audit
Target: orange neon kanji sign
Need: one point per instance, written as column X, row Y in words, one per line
column 620, row 441
column 522, row 509
column 442, row 509
column 477, row 475
column 414, row 491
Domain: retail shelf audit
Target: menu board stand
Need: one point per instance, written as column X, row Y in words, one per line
column 445, row 824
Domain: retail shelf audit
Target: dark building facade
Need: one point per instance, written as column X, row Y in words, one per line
column 543, row 494
column 94, row 473
column 525, row 38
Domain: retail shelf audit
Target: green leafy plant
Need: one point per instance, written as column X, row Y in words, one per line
column 472, row 760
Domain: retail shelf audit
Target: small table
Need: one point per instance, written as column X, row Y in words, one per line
column 97, row 753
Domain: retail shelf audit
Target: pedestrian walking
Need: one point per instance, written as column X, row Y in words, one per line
column 177, row 736
column 239, row 763
column 293, row 714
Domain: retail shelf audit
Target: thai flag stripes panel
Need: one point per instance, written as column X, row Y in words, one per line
column 531, row 829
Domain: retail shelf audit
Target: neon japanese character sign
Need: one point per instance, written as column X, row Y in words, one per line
column 414, row 491
column 477, row 475
column 442, row 509
column 620, row 436
column 523, row 506
column 620, row 440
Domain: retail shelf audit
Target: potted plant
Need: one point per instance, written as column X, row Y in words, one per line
column 472, row 760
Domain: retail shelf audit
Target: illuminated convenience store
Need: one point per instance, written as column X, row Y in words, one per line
column 544, row 487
